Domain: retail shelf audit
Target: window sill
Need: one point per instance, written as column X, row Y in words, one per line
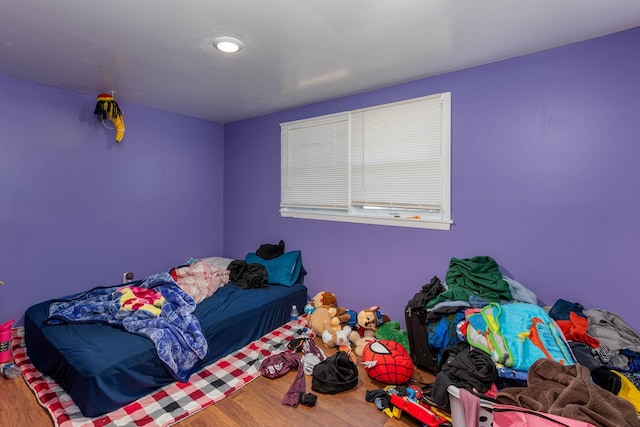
column 394, row 222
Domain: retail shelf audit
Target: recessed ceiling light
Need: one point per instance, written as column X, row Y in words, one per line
column 227, row 44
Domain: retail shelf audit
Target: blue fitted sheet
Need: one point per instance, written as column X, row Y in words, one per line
column 104, row 368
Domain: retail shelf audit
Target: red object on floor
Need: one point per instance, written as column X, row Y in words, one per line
column 418, row 411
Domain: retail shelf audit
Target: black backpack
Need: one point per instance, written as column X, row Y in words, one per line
column 334, row 374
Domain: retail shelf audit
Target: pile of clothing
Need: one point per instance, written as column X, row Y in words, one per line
column 494, row 340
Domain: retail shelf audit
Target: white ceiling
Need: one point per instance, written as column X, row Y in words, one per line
column 158, row 53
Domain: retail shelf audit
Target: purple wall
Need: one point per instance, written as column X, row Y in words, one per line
column 77, row 210
column 545, row 153
column 545, row 180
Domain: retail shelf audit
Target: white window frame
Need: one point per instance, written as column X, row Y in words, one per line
column 415, row 209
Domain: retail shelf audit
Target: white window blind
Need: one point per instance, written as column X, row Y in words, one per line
column 396, row 155
column 387, row 164
column 315, row 163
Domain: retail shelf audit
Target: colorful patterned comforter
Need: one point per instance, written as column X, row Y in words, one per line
column 155, row 308
column 518, row 334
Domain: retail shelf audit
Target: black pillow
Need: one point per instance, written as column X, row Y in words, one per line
column 334, row 374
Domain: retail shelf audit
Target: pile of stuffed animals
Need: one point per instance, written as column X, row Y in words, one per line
column 343, row 328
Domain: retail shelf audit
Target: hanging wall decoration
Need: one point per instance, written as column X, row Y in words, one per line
column 107, row 108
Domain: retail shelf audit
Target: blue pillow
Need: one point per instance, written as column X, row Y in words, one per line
column 285, row 269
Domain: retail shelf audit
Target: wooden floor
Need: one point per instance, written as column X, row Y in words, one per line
column 256, row 404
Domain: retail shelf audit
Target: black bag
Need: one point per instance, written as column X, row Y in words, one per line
column 334, row 374
column 422, row 355
column 269, row 251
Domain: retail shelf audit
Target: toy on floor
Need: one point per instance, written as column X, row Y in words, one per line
column 323, row 318
column 391, row 331
column 107, row 108
column 371, row 318
column 317, row 311
column 387, row 362
column 324, row 299
column 323, row 314
column 368, row 321
column 361, row 343
column 320, row 319
column 346, row 317
column 334, row 333
column 394, row 400
column 419, row 411
column 347, row 349
column 336, row 336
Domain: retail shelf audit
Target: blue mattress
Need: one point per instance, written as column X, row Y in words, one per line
column 104, row 368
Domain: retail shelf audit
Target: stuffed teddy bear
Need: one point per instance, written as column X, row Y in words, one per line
column 346, row 317
column 319, row 320
column 324, row 299
column 323, row 318
column 320, row 300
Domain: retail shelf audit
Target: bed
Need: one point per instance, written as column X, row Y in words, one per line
column 103, row 367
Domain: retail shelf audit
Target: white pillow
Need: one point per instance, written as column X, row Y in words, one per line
column 218, row 262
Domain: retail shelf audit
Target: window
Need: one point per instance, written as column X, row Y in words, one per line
column 388, row 164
